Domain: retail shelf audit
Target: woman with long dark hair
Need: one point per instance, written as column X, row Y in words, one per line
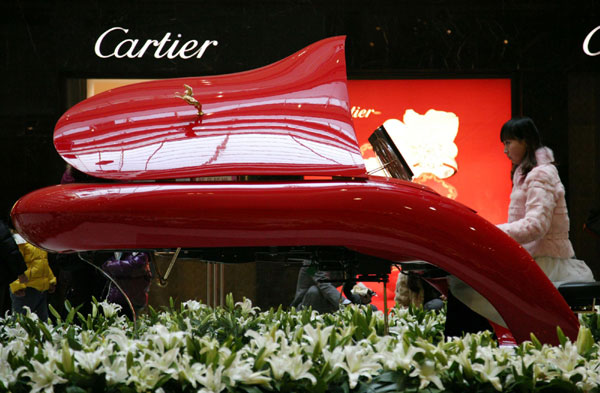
column 537, row 215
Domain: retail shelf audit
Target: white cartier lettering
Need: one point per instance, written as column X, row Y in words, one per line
column 586, row 43
column 131, row 48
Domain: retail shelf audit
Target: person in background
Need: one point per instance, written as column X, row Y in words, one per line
column 131, row 271
column 317, row 289
column 12, row 264
column 358, row 293
column 40, row 281
column 537, row 218
column 413, row 290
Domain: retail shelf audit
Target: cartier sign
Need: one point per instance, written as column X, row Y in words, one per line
column 135, row 48
column 586, row 43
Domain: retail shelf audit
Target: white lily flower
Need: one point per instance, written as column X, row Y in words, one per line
column 401, row 357
column 57, row 334
column 346, row 331
column 541, row 372
column 208, row 344
column 17, row 347
column 224, row 352
column 427, row 373
column 7, row 375
column 30, row 315
column 591, row 379
column 522, row 363
column 110, row 309
column 290, row 348
column 44, row 376
column 51, row 353
column 165, row 339
column 260, row 341
column 166, row 362
column 385, row 344
column 335, row 358
column 115, row 371
column 241, row 371
column 293, row 365
column 398, row 330
column 463, row 359
column 89, row 340
column 15, row 333
column 359, row 363
column 504, row 354
column 88, row 361
column 194, row 305
column 300, row 369
column 143, row 377
column 246, row 306
column 212, row 380
column 190, row 371
column 316, row 336
column 119, row 337
column 426, row 346
column 278, row 366
column 568, row 362
column 489, row 371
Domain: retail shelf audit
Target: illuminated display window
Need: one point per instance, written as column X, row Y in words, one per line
column 97, row 86
column 448, row 132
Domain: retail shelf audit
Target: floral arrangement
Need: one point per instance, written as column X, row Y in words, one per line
column 238, row 348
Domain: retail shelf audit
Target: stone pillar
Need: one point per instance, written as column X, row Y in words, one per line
column 583, row 191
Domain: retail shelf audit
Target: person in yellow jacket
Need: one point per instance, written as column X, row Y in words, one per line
column 34, row 293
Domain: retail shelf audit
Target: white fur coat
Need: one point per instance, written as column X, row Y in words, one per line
column 537, row 214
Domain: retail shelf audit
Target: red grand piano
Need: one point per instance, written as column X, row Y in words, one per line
column 273, row 172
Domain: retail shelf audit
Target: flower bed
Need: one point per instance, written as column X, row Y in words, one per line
column 240, row 349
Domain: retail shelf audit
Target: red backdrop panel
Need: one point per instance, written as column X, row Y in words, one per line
column 482, row 181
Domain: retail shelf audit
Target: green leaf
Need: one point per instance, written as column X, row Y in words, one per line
column 129, row 360
column 250, row 389
column 75, row 389
column 73, row 343
column 45, row 331
column 260, row 361
column 229, row 360
column 388, row 376
column 55, row 314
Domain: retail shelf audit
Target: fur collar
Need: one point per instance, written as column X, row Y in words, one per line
column 544, row 155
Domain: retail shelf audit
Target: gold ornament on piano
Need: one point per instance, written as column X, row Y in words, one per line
column 188, row 97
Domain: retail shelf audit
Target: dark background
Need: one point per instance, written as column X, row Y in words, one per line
column 45, row 45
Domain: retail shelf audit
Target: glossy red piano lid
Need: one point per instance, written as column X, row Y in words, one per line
column 288, row 118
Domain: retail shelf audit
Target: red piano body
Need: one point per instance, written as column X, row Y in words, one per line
column 282, row 135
